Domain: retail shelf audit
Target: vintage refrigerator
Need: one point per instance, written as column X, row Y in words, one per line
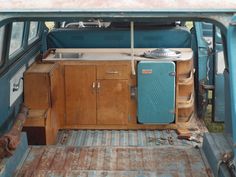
column 156, row 92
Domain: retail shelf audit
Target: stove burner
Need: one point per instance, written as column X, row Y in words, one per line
column 162, row 53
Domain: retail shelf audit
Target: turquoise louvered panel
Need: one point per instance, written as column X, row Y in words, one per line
column 156, row 92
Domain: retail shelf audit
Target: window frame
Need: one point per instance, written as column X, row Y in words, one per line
column 12, row 56
column 36, row 37
column 2, row 41
column 11, row 59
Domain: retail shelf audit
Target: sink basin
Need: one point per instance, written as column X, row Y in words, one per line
column 68, row 55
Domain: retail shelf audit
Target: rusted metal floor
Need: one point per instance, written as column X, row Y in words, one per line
column 115, row 153
column 120, row 138
column 166, row 161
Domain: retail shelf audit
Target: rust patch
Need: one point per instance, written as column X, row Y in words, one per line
column 113, row 161
column 10, row 140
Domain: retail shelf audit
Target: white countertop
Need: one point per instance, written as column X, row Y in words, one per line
column 116, row 55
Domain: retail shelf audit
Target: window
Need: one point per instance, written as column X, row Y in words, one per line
column 1, row 42
column 33, row 31
column 16, row 37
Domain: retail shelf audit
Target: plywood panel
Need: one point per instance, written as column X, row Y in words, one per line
column 37, row 90
column 57, row 97
column 36, row 118
column 184, row 67
column 112, row 102
column 185, row 89
column 80, row 95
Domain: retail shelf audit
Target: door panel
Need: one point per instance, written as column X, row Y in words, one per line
column 80, row 95
column 210, row 70
column 219, row 92
column 112, row 102
column 203, row 76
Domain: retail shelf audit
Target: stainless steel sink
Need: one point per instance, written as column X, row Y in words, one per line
column 68, row 55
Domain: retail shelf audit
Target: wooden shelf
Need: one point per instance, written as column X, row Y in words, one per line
column 185, row 91
column 186, row 102
column 186, row 79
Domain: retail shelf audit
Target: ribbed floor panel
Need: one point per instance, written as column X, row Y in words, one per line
column 120, row 138
column 165, row 161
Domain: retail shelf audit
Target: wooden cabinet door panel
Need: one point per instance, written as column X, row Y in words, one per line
column 80, row 95
column 37, row 90
column 112, row 102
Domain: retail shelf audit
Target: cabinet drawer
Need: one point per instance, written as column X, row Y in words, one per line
column 113, row 72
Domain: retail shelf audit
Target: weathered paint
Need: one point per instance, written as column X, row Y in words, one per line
column 8, row 114
column 10, row 141
column 121, row 138
column 216, row 147
column 8, row 165
column 231, row 45
column 113, row 161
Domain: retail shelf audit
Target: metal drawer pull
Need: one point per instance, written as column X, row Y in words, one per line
column 112, row 72
column 94, row 85
column 99, row 85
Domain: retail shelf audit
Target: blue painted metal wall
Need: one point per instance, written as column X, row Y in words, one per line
column 201, row 68
column 228, row 129
column 7, row 113
column 11, row 163
column 231, row 44
column 219, row 98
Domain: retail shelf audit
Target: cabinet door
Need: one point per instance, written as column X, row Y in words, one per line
column 112, row 102
column 80, row 95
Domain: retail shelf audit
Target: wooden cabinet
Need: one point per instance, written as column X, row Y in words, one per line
column 40, row 127
column 113, row 72
column 44, row 96
column 112, row 102
column 37, row 86
column 96, row 94
column 80, row 94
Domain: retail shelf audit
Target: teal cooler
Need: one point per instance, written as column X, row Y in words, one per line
column 156, row 92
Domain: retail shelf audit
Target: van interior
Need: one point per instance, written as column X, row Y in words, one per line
column 114, row 98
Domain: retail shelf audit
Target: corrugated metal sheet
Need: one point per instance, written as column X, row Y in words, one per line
column 68, row 161
column 120, row 138
column 121, row 5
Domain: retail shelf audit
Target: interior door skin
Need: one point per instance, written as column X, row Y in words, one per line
column 219, row 91
column 212, row 69
column 203, row 74
column 112, row 102
column 80, row 94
